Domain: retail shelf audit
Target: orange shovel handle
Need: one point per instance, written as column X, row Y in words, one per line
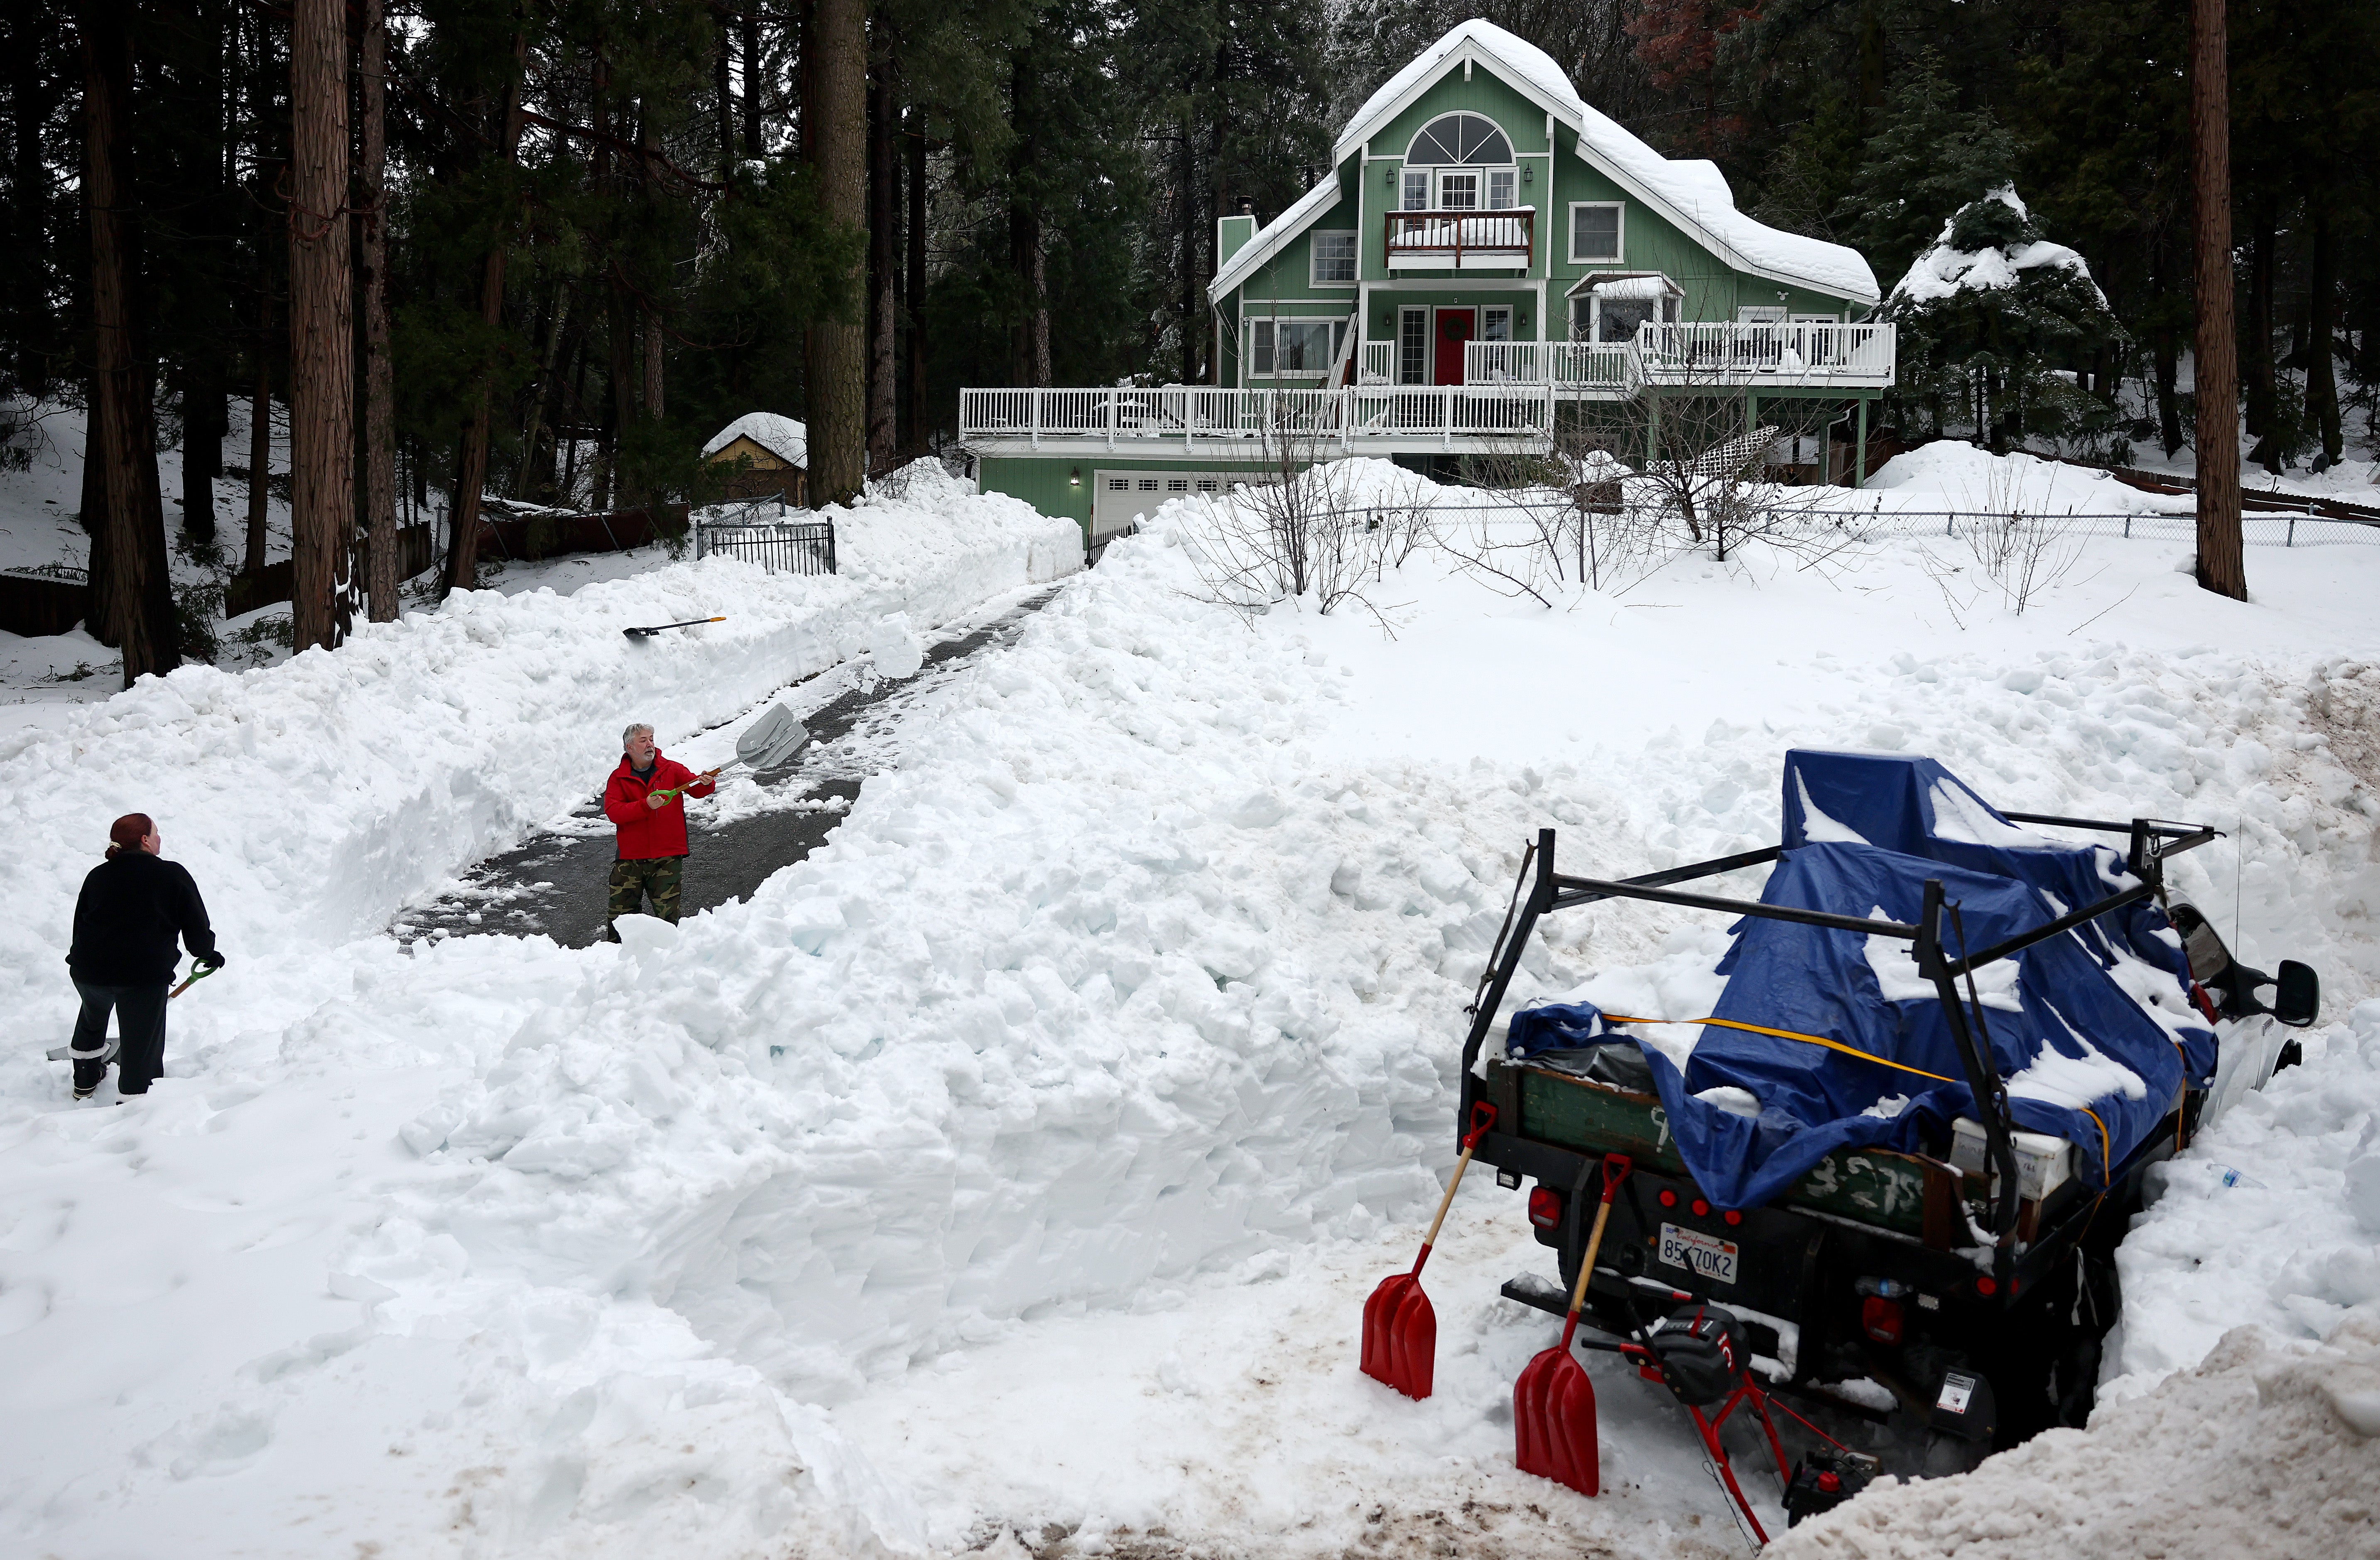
column 1483, row 1116
column 1615, row 1170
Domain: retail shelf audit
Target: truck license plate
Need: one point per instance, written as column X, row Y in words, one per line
column 1712, row 1258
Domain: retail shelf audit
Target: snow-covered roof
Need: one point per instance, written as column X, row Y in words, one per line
column 1517, row 60
column 1636, row 287
column 1692, row 192
column 1270, row 239
column 1941, row 271
column 781, row 436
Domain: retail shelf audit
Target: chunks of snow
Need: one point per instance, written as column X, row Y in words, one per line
column 2261, row 1451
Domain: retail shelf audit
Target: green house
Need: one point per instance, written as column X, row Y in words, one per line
column 1486, row 245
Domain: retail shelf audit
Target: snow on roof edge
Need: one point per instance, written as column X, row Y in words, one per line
column 1537, row 73
column 1270, row 239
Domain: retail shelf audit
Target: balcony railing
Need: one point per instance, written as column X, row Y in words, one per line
column 1571, row 365
column 1253, row 422
column 1499, row 241
column 1721, row 353
column 1751, row 355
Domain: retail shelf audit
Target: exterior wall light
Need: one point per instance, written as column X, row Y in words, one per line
column 1528, row 173
column 1389, row 175
column 1075, row 477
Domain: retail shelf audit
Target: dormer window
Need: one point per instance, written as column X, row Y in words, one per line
column 1459, row 162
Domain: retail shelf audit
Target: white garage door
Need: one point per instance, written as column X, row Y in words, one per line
column 1119, row 498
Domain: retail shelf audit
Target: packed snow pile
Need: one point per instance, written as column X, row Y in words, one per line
column 1975, row 255
column 2259, row 1452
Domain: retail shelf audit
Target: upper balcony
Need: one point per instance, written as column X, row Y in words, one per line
column 1493, row 240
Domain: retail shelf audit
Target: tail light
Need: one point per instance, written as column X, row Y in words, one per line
column 1880, row 1319
column 1880, row 1316
column 1545, row 1207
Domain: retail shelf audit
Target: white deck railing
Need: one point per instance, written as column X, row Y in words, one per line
column 1750, row 355
column 1190, row 417
column 1724, row 353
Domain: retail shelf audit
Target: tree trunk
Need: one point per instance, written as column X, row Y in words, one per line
column 754, row 147
column 1185, row 183
column 913, row 385
column 723, row 67
column 2168, row 403
column 883, row 205
column 834, row 138
column 204, row 389
column 100, row 622
column 134, row 595
column 1024, row 220
column 2221, row 567
column 321, row 327
column 648, row 311
column 260, row 441
column 2322, row 330
column 379, row 405
column 471, row 462
column 2256, row 360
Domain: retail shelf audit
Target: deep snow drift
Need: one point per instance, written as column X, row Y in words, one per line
column 1019, row 1160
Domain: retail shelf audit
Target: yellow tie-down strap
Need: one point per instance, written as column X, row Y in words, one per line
column 2106, row 1158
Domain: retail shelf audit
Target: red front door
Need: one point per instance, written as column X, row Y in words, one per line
column 1454, row 327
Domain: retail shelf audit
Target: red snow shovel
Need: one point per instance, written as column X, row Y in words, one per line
column 1400, row 1328
column 1553, row 1403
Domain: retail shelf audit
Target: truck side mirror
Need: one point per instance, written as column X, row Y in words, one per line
column 2297, row 995
column 2203, row 945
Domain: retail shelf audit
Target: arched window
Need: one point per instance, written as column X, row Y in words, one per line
column 1459, row 161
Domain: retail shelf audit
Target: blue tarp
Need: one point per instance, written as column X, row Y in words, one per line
column 1862, row 832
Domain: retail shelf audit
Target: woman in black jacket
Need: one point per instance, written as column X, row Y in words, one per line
column 133, row 907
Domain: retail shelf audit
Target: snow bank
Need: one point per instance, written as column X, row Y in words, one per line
column 2258, row 1453
column 313, row 798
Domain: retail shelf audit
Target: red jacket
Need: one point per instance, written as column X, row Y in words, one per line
column 647, row 832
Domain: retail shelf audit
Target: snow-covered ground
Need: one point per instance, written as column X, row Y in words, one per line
column 1008, row 1174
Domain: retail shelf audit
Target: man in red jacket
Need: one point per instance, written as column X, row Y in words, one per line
column 646, row 800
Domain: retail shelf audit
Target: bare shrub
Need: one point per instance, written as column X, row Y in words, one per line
column 1294, row 531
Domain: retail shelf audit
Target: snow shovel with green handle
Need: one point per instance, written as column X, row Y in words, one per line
column 1400, row 1326
column 767, row 743
column 1553, row 1402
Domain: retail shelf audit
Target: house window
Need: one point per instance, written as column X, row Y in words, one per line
column 1119, row 484
column 1471, row 162
column 1149, row 485
column 1495, row 325
column 1459, row 141
column 1594, row 231
column 1177, row 484
column 1334, row 259
column 1412, row 346
column 1618, row 317
column 1294, row 347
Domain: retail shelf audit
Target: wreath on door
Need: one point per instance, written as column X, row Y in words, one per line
column 1450, row 327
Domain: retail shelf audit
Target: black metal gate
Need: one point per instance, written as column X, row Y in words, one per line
column 781, row 547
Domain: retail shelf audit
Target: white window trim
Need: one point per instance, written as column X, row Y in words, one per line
column 1314, row 257
column 1761, row 314
column 1508, row 311
column 1570, row 233
column 1672, row 310
column 1248, row 343
column 1405, row 313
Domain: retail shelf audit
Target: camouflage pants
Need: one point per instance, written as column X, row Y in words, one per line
column 661, row 879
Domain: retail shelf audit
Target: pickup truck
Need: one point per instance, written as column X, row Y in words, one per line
column 1928, row 1302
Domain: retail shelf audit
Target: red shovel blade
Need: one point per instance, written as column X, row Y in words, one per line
column 1401, row 1336
column 1553, row 1420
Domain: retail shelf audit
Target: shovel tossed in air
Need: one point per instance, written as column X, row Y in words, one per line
column 767, row 743
column 1400, row 1328
column 1553, row 1402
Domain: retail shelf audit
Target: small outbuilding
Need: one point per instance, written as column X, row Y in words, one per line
column 768, row 454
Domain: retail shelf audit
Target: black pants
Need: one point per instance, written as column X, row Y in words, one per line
column 140, row 1015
